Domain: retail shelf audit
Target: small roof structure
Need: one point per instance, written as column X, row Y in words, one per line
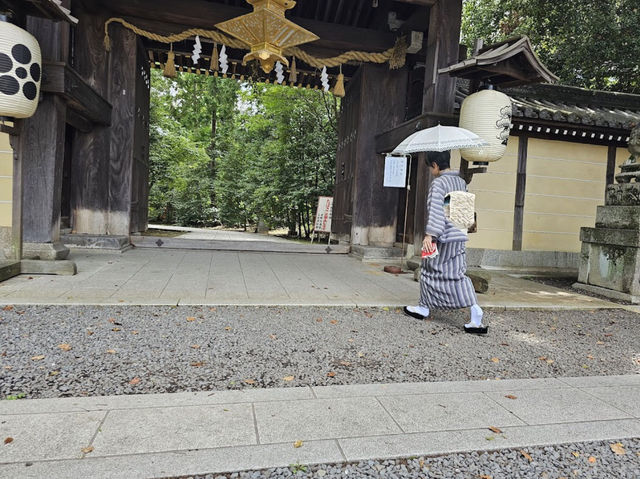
column 508, row 63
column 51, row 9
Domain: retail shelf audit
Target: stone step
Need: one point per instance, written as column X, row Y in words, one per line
column 110, row 242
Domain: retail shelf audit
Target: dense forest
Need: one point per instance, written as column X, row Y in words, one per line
column 236, row 153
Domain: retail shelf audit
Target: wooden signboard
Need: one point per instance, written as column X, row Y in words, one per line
column 323, row 215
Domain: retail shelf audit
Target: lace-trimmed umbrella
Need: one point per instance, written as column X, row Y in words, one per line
column 438, row 138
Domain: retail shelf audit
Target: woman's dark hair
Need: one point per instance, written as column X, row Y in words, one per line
column 440, row 158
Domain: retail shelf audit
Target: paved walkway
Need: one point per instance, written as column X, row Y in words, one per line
column 171, row 277
column 218, row 235
column 195, row 433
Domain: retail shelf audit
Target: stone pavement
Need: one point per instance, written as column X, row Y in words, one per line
column 171, row 277
column 160, row 435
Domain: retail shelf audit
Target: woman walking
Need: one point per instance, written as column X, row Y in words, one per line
column 443, row 283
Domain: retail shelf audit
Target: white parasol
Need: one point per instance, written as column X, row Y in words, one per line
column 439, row 138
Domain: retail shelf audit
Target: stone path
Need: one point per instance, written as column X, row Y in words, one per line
column 170, row 277
column 195, row 433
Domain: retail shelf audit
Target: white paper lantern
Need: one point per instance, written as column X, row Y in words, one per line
column 20, row 72
column 487, row 113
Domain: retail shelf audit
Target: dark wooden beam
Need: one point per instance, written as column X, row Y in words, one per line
column 423, row 3
column 611, row 164
column 62, row 80
column 203, row 14
column 387, row 141
column 521, row 183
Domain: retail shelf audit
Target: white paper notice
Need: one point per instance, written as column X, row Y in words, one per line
column 395, row 171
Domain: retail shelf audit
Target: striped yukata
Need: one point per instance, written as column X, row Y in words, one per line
column 443, row 283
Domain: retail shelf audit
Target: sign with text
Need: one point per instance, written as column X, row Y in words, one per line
column 395, row 171
column 323, row 215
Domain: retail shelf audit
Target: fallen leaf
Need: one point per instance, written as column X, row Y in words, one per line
column 495, row 360
column 600, row 342
column 197, row 364
column 87, row 450
column 89, row 333
column 297, row 444
column 511, row 396
column 111, row 320
column 361, row 354
column 228, row 328
column 273, row 336
column 345, row 363
column 134, row 381
column 618, row 448
column 111, row 351
column 350, row 340
column 8, row 440
column 495, row 429
column 212, row 309
column 489, row 438
column 191, row 318
column 589, row 356
column 287, row 378
column 542, row 358
column 65, row 346
column 549, row 361
column 195, row 346
column 485, row 476
column 116, row 329
column 249, row 381
column 386, row 308
column 504, row 344
column 333, row 321
column 54, row 373
column 608, row 334
column 331, row 374
column 37, row 358
column 421, row 463
column 576, row 453
column 526, row 455
column 592, row 459
column 134, row 332
column 7, row 308
column 318, row 320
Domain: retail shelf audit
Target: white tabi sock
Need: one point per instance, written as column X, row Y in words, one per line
column 476, row 317
column 423, row 310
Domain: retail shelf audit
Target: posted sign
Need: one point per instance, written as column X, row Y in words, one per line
column 395, row 171
column 323, row 215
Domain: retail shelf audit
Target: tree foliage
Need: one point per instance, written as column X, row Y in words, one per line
column 587, row 43
column 239, row 152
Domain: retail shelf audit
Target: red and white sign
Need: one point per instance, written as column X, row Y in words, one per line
column 323, row 215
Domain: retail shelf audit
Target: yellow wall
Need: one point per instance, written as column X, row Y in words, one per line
column 495, row 197
column 6, row 179
column 565, row 184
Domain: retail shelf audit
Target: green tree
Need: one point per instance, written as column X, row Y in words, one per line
column 587, row 43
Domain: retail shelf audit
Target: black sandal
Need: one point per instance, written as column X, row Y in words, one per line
column 412, row 314
column 477, row 330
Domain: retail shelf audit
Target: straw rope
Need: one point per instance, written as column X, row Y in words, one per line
column 395, row 56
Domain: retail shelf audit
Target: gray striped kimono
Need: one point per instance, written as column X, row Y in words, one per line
column 443, row 283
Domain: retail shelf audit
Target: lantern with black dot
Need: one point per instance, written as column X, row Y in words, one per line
column 487, row 113
column 20, row 72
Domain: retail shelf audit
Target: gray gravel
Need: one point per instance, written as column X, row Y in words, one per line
column 552, row 462
column 174, row 349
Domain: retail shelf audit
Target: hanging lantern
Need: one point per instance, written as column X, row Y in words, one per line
column 487, row 113
column 20, row 72
column 267, row 32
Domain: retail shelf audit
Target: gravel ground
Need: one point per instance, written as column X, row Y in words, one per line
column 555, row 462
column 58, row 351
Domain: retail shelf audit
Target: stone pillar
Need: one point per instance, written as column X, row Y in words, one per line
column 42, row 145
column 610, row 257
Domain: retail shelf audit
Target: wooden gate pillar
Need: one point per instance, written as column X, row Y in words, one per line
column 382, row 103
column 128, row 161
column 439, row 90
column 42, row 146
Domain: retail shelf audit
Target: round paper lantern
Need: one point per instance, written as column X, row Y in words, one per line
column 20, row 72
column 486, row 113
